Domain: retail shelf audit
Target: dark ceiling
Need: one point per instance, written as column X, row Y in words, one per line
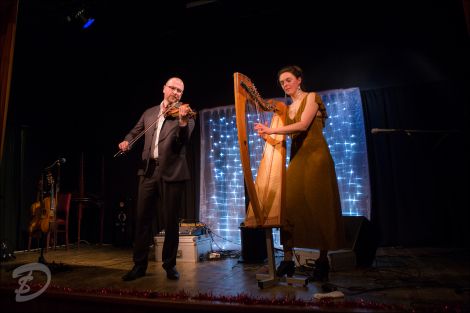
column 232, row 21
column 123, row 59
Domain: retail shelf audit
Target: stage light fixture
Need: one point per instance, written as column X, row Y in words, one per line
column 83, row 17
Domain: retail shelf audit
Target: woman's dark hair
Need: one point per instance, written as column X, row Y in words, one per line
column 297, row 72
column 294, row 70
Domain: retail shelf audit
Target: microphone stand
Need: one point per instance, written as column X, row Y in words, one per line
column 42, row 236
column 52, row 165
column 121, row 152
column 410, row 131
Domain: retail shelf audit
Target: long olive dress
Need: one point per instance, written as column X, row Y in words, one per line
column 312, row 218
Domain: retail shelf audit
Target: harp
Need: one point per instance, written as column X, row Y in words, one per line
column 267, row 191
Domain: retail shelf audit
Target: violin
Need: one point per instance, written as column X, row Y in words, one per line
column 175, row 111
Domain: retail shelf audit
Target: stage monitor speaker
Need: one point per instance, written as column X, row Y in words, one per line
column 253, row 242
column 362, row 238
column 122, row 226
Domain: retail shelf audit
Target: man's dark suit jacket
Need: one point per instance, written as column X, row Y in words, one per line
column 171, row 145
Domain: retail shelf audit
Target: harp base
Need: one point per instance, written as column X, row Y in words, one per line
column 270, row 279
column 265, row 281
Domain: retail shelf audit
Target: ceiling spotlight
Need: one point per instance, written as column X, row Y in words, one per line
column 83, row 17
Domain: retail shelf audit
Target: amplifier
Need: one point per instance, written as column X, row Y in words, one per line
column 192, row 229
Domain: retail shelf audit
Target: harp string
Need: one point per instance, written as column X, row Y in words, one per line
column 262, row 110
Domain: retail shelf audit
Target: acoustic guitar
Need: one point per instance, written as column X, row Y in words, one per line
column 43, row 210
column 36, row 208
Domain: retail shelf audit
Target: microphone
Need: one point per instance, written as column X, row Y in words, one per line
column 58, row 162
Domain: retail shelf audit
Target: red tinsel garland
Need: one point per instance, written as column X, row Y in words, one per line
column 244, row 299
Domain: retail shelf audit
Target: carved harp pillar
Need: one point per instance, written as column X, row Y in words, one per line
column 267, row 191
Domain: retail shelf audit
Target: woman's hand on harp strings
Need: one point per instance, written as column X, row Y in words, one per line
column 263, row 130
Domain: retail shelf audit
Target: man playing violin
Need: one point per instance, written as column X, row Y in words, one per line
column 162, row 176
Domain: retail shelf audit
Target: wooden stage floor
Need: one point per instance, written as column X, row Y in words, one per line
column 89, row 278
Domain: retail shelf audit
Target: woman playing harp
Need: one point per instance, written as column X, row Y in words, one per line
column 312, row 216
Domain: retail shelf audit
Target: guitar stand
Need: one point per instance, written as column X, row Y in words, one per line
column 53, row 267
column 270, row 279
column 41, row 258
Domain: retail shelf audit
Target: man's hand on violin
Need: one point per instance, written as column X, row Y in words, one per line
column 183, row 115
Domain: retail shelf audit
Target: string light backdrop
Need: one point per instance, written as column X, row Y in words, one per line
column 222, row 193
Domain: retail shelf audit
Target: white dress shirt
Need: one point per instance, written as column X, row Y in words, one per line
column 158, row 128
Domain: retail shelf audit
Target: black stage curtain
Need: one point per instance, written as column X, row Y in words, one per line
column 418, row 155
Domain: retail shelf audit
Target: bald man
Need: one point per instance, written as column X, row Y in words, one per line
column 162, row 176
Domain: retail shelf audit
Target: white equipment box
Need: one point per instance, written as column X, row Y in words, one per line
column 190, row 248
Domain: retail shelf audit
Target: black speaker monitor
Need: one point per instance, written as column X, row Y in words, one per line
column 253, row 242
column 362, row 238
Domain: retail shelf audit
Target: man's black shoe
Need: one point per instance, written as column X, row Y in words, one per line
column 134, row 273
column 171, row 272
